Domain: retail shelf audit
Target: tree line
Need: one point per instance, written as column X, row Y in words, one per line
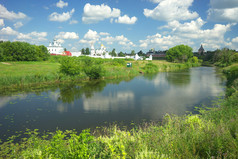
column 22, row 51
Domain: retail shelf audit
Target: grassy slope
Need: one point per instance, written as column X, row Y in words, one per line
column 28, row 73
column 211, row 134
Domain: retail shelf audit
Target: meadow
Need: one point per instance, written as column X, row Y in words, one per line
column 15, row 75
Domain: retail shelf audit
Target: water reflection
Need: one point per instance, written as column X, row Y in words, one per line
column 89, row 104
column 178, row 79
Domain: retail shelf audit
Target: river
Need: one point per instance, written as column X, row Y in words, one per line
column 100, row 103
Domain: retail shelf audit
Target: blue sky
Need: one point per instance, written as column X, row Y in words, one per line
column 122, row 24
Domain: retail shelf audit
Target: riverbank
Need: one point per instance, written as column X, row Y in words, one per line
column 210, row 134
column 15, row 75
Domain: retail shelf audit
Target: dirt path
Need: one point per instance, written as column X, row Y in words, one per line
column 5, row 63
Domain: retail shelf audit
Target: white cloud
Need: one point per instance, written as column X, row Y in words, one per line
column 155, row 1
column 104, row 34
column 33, row 37
column 169, row 10
column 18, row 25
column 192, row 26
column 126, row 20
column 67, row 35
column 91, row 35
column 1, row 23
column 235, row 40
column 8, row 31
column 61, row 4
column 4, row 13
column 223, row 10
column 223, row 15
column 189, row 33
column 221, row 4
column 73, row 22
column 61, row 17
column 96, row 13
column 121, row 40
column 61, row 41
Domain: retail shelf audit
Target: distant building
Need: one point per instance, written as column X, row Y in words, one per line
column 98, row 52
column 201, row 50
column 66, row 53
column 55, row 48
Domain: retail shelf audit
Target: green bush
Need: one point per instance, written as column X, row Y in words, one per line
column 150, row 68
column 118, row 62
column 94, row 71
column 22, row 51
column 71, row 66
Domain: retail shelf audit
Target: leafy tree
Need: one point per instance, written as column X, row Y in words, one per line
column 113, row 53
column 87, row 51
column 133, row 53
column 121, row 54
column 83, row 51
column 224, row 57
column 179, row 53
column 140, row 53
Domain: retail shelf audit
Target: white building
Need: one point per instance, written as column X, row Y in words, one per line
column 55, row 48
column 98, row 52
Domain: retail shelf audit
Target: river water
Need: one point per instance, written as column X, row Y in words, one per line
column 99, row 103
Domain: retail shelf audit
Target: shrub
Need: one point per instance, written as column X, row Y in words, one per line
column 94, row 71
column 150, row 68
column 71, row 66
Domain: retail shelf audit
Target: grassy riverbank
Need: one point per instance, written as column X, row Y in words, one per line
column 24, row 74
column 211, row 134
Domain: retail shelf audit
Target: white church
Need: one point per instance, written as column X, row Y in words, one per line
column 55, row 48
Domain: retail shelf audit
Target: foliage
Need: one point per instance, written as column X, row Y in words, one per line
column 121, row 54
column 71, row 66
column 83, row 51
column 113, row 53
column 140, row 53
column 194, row 59
column 133, row 53
column 87, row 52
column 225, row 57
column 118, row 62
column 22, row 51
column 150, row 68
column 179, row 53
column 232, row 79
column 94, row 71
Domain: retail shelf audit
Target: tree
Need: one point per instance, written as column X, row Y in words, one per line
column 179, row 53
column 83, row 51
column 113, row 53
column 133, row 53
column 121, row 54
column 224, row 57
column 87, row 51
column 140, row 53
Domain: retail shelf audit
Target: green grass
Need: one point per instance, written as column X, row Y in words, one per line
column 24, row 74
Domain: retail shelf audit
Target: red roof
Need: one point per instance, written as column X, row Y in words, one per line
column 65, row 53
column 68, row 53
